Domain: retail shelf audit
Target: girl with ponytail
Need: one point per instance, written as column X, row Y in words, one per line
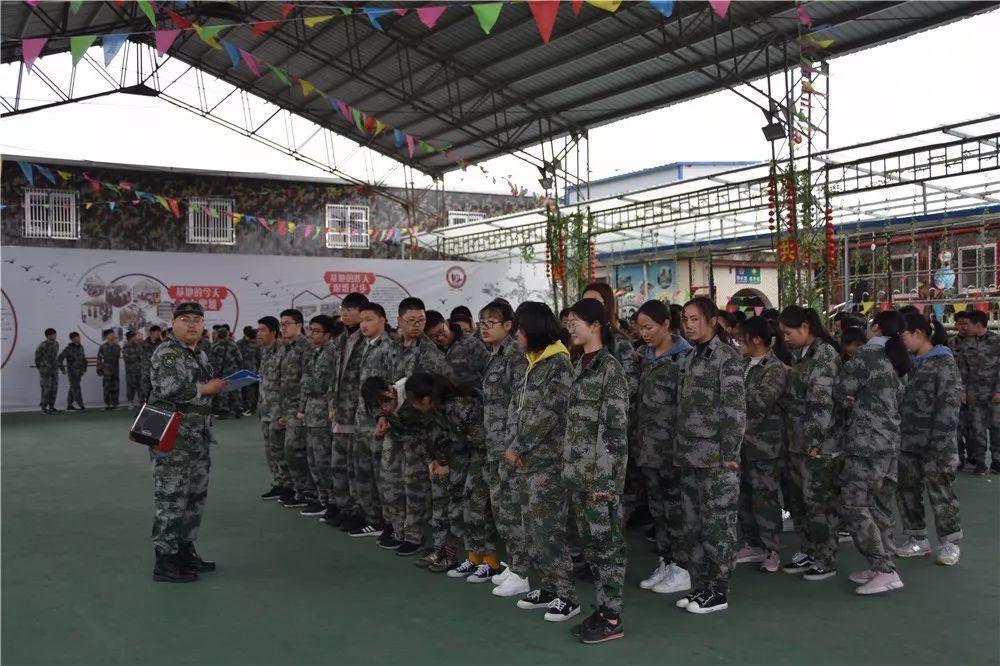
column 595, row 451
column 812, row 442
column 929, row 417
column 869, row 388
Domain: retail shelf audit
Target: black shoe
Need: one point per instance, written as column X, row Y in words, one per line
column 640, row 517
column 337, row 520
column 388, row 540
column 45, row 410
column 108, row 408
column 70, row 408
column 294, row 502
column 799, row 564
column 274, row 493
column 221, row 417
column 313, row 509
column 561, row 610
column 601, row 629
column 577, row 630
column 191, row 561
column 366, row 530
column 582, row 571
column 651, row 535
column 330, row 513
column 708, row 602
column 536, row 599
column 980, row 470
column 351, row 523
column 408, row 548
column 168, row 569
column 817, row 572
column 995, row 467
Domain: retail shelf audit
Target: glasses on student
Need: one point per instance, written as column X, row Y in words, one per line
column 190, row 320
column 286, row 324
column 487, row 323
column 414, row 322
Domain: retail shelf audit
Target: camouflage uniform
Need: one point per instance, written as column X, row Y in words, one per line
column 457, row 428
column 107, row 368
column 180, row 477
column 810, row 423
column 316, row 384
column 148, row 346
column 132, row 355
column 635, row 491
column 405, row 478
column 711, row 419
column 503, row 375
column 929, row 424
column 595, row 453
column 536, row 431
column 250, row 350
column 46, row 354
column 762, row 454
column 290, row 393
column 978, row 360
column 226, row 359
column 344, row 391
column 73, row 361
column 269, row 409
column 654, row 422
column 366, row 449
column 868, row 386
column 466, row 360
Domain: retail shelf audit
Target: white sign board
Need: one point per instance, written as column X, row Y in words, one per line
column 92, row 290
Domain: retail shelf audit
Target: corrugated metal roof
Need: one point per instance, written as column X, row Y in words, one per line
column 490, row 95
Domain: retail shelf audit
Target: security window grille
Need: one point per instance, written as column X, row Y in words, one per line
column 51, row 214
column 456, row 217
column 977, row 267
column 346, row 226
column 208, row 223
column 904, row 273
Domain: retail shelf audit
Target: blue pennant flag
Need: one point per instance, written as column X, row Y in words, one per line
column 233, row 51
column 49, row 176
column 374, row 14
column 26, row 169
column 112, row 45
column 665, row 7
column 400, row 137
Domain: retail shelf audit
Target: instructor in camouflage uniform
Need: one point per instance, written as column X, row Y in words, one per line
column 182, row 380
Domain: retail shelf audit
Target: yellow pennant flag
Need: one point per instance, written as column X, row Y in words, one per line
column 313, row 21
column 291, row 227
column 867, row 306
column 606, row 5
column 306, row 87
column 65, row 175
column 162, row 201
column 960, row 307
column 88, row 205
column 379, row 126
column 237, row 218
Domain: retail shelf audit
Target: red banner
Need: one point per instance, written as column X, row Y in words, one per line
column 341, row 283
column 210, row 297
column 788, row 251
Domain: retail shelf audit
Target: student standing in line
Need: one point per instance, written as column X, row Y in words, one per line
column 812, row 441
column 537, row 428
column 763, row 447
column 928, row 456
column 654, row 429
column 711, row 419
column 595, row 450
column 870, row 386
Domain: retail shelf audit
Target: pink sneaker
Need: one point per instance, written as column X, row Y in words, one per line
column 861, row 577
column 882, row 582
column 749, row 554
column 771, row 561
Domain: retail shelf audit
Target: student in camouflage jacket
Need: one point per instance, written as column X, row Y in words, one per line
column 536, row 431
column 250, row 350
column 108, row 355
column 711, row 420
column 132, row 356
column 182, row 379
column 595, row 453
column 226, row 359
column 813, row 439
column 46, row 361
column 764, row 447
column 296, row 350
column 317, row 376
column 978, row 358
column 869, row 386
column 72, row 361
column 149, row 345
column 269, row 408
column 929, row 418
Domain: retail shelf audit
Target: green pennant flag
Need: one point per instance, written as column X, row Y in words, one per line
column 74, row 5
column 358, row 120
column 346, row 11
column 147, row 10
column 280, row 74
column 487, row 15
column 79, row 45
column 208, row 34
column 426, row 147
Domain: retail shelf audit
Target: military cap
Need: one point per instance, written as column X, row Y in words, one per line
column 189, row 307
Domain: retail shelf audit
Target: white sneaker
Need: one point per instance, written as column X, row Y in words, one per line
column 949, row 554
column 513, row 586
column 659, row 573
column 503, row 575
column 881, row 582
column 463, row 570
column 676, row 580
column 914, row 547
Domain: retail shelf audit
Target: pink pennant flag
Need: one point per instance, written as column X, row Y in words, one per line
column 721, row 7
column 30, row 50
column 401, row 11
column 430, row 15
column 309, row 230
column 165, row 39
column 263, row 223
column 757, row 309
column 803, row 17
column 250, row 61
column 344, row 111
column 32, row 3
column 410, row 143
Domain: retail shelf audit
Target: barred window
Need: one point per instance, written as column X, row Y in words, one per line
column 346, row 226
column 456, row 217
column 208, row 223
column 51, row 214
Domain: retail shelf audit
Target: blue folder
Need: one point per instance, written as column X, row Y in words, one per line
column 239, row 379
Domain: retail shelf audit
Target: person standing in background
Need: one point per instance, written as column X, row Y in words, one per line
column 250, row 351
column 73, row 362
column 46, row 355
column 149, row 345
column 132, row 355
column 108, row 355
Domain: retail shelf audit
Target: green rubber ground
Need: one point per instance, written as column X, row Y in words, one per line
column 77, row 589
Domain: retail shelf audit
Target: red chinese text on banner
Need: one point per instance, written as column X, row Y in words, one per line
column 788, row 251
column 209, row 297
column 343, row 283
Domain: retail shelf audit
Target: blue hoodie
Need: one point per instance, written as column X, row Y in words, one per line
column 680, row 345
column 937, row 350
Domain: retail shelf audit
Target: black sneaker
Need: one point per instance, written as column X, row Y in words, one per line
column 366, row 530
column 818, row 572
column 168, row 569
column 578, row 630
column 313, row 509
column 651, row 535
column 709, row 602
column 980, row 470
column 330, row 513
column 294, row 502
column 800, row 563
column 337, row 520
column 351, row 523
column 690, row 598
column 388, row 540
column 561, row 610
column 536, row 599
column 995, row 467
column 601, row 629
column 274, row 493
column 408, row 548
